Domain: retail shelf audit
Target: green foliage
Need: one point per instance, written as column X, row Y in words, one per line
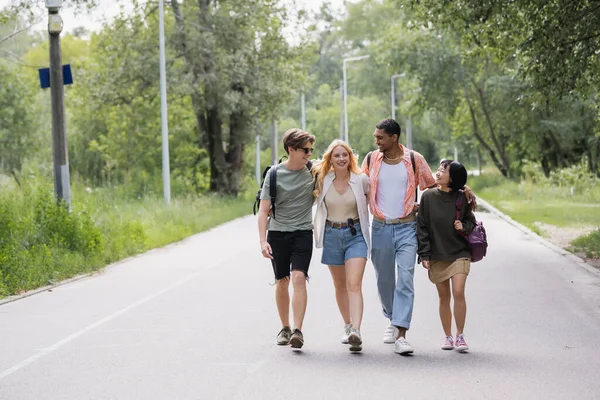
column 541, row 201
column 587, row 244
column 556, row 41
column 42, row 242
column 16, row 122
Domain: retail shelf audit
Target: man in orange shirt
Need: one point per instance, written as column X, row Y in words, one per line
column 395, row 172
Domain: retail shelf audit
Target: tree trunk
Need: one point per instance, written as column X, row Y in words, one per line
column 490, row 124
column 237, row 125
column 485, row 145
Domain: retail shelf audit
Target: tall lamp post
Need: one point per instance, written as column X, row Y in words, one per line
column 409, row 121
column 62, row 181
column 347, row 60
column 166, row 170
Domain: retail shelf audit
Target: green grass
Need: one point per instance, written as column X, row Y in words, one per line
column 42, row 243
column 528, row 203
column 588, row 244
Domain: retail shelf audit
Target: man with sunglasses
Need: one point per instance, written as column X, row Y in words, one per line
column 395, row 173
column 289, row 241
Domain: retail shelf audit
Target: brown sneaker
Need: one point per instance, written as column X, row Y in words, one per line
column 297, row 339
column 283, row 337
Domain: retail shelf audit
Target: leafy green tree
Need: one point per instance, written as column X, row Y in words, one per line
column 16, row 122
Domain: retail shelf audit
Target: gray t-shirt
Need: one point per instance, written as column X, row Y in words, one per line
column 294, row 199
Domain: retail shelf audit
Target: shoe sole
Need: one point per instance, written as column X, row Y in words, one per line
column 296, row 343
column 344, row 341
column 462, row 349
column 283, row 343
column 389, row 341
column 447, row 347
column 404, row 351
column 355, row 343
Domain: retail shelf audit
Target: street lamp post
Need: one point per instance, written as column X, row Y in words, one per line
column 409, row 121
column 163, row 105
column 346, row 60
column 62, row 181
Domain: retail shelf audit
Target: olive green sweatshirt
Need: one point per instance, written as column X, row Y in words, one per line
column 438, row 240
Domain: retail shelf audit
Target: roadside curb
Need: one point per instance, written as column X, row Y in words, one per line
column 567, row 254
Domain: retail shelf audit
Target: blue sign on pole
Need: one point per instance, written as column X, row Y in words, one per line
column 45, row 76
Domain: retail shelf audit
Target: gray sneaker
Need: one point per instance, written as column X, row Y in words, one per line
column 284, row 335
column 297, row 339
column 347, row 330
column 355, row 340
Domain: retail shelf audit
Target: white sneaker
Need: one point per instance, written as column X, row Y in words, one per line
column 401, row 346
column 347, row 330
column 390, row 334
column 355, row 340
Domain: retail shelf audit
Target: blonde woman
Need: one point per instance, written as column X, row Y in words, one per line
column 342, row 229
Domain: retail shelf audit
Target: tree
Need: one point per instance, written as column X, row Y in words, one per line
column 556, row 41
column 237, row 66
column 16, row 125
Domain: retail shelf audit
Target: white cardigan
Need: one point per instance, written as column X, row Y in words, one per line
column 359, row 184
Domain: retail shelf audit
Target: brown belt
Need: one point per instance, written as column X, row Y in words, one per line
column 394, row 221
column 340, row 224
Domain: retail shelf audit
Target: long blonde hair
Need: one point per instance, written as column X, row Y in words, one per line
column 321, row 169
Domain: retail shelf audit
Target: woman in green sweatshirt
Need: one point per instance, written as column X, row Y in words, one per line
column 443, row 248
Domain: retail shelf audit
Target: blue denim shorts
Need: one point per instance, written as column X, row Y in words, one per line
column 339, row 245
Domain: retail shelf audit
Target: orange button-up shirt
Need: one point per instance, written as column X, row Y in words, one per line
column 423, row 174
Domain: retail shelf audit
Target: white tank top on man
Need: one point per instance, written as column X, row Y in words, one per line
column 391, row 189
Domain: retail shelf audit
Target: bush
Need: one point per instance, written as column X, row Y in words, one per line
column 588, row 244
column 41, row 242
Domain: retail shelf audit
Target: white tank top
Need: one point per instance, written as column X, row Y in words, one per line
column 391, row 189
column 340, row 207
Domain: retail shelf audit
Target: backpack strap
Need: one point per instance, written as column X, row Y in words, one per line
column 414, row 167
column 459, row 197
column 369, row 159
column 273, row 187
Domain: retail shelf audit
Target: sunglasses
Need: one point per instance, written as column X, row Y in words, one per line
column 306, row 149
column 351, row 226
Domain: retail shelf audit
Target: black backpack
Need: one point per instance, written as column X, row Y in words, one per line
column 412, row 160
column 272, row 186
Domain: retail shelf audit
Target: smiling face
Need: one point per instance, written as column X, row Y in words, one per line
column 340, row 158
column 303, row 152
column 442, row 175
column 384, row 141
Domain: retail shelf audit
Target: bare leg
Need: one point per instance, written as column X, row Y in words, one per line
column 338, row 274
column 282, row 299
column 444, row 306
column 355, row 269
column 299, row 298
column 460, row 303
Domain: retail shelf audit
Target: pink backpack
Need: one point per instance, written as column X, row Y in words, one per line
column 477, row 238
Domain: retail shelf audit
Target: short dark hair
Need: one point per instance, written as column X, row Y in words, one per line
column 458, row 174
column 389, row 126
column 295, row 138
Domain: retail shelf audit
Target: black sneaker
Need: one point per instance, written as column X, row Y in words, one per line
column 283, row 337
column 297, row 339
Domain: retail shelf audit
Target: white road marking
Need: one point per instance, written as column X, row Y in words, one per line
column 96, row 324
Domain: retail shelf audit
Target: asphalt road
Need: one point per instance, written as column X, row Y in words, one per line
column 197, row 320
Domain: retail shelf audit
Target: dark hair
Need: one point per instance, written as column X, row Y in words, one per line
column 458, row 174
column 389, row 126
column 295, row 138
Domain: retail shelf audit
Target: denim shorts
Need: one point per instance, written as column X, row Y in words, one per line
column 339, row 245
